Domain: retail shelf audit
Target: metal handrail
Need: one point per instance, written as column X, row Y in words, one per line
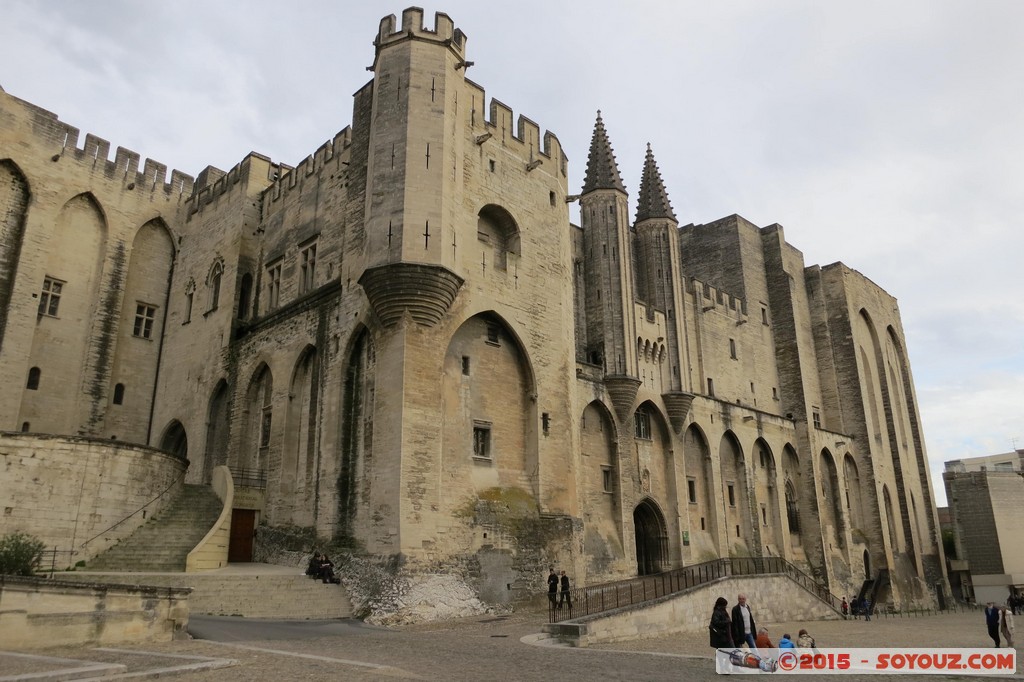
column 161, row 494
column 250, row 478
column 592, row 599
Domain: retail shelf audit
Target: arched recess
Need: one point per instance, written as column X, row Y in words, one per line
column 245, row 297
column 300, row 436
column 489, row 433
column 354, row 480
column 217, row 414
column 601, row 480
column 174, row 440
column 651, row 538
column 929, row 539
column 498, row 233
column 653, row 447
column 895, row 543
column 140, row 329
column 14, row 202
column 257, row 422
column 831, row 515
column 766, row 498
column 744, row 536
column 854, row 499
column 73, row 276
column 703, row 512
column 792, row 476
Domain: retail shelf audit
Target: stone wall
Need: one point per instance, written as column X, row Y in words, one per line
column 37, row 613
column 65, row 490
column 772, row 599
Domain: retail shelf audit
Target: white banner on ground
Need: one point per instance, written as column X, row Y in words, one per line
column 999, row 662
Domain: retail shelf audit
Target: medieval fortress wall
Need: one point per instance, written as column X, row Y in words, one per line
column 403, row 344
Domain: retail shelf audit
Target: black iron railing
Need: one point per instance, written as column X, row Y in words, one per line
column 585, row 601
column 250, row 478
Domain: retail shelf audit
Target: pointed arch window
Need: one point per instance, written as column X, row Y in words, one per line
column 792, row 509
column 216, row 275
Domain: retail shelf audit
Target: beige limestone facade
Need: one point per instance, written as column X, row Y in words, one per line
column 403, row 343
column 986, row 501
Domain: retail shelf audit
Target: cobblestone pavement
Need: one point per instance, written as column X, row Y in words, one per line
column 493, row 648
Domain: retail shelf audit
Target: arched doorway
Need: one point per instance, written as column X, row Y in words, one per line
column 174, row 440
column 651, row 539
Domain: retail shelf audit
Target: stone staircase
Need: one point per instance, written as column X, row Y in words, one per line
column 163, row 543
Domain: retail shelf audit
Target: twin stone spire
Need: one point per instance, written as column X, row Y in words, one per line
column 603, row 173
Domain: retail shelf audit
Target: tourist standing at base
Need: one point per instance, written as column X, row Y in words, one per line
column 1006, row 625
column 992, row 621
column 743, row 627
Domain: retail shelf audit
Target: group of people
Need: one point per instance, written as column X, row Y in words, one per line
column 999, row 620
column 558, row 585
column 857, row 608
column 737, row 628
column 322, row 568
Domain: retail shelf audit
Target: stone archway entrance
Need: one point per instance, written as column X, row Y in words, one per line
column 651, row 539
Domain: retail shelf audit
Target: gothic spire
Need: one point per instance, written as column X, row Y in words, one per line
column 653, row 201
column 602, row 171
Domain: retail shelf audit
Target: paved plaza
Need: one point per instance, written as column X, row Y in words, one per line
column 481, row 648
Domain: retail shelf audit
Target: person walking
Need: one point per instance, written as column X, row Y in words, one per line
column 743, row 626
column 720, row 627
column 845, row 606
column 566, row 597
column 1006, row 625
column 553, row 588
column 992, row 622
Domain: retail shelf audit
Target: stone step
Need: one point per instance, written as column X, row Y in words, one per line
column 163, row 543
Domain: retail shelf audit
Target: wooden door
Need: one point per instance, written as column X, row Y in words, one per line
column 243, row 525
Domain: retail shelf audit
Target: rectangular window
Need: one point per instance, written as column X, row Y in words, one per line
column 764, row 516
column 642, row 425
column 273, row 285
column 764, row 315
column 691, row 490
column 49, row 300
column 816, row 417
column 482, row 440
column 775, row 393
column 732, row 348
column 711, row 387
column 492, row 334
column 307, row 268
column 732, row 495
column 188, row 306
column 465, row 365
column 144, row 315
column 607, row 481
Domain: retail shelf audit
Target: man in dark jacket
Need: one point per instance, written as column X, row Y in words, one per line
column 743, row 626
column 553, row 587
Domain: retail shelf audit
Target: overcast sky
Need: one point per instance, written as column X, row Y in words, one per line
column 887, row 135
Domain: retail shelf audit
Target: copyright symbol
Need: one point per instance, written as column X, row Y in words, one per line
column 787, row 661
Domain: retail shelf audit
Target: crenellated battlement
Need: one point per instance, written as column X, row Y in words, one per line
column 94, row 152
column 289, row 177
column 213, row 182
column 525, row 136
column 710, row 298
column 412, row 27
